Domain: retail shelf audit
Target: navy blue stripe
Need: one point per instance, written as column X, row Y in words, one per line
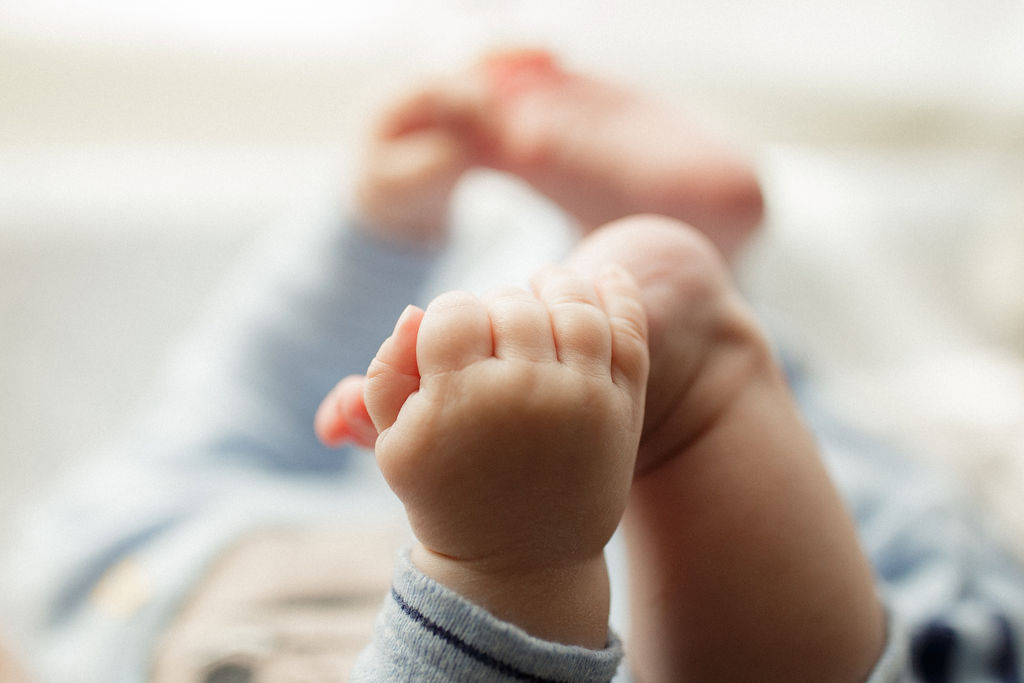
column 464, row 647
column 932, row 652
column 1006, row 664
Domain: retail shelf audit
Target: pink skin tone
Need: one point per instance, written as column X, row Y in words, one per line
column 727, row 490
column 10, row 669
column 471, row 399
column 742, row 557
column 520, row 112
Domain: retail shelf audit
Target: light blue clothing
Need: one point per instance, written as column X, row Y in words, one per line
column 426, row 632
column 227, row 448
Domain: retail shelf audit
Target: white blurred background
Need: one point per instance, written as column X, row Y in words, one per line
column 142, row 143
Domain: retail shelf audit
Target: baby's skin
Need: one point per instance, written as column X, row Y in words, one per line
column 742, row 556
column 600, row 150
column 508, row 426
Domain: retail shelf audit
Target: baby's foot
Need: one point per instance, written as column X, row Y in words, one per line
column 603, row 151
column 508, row 426
column 742, row 555
column 706, row 348
column 599, row 150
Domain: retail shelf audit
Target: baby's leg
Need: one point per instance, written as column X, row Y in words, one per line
column 742, row 556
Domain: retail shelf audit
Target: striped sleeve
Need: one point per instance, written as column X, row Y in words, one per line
column 426, row 632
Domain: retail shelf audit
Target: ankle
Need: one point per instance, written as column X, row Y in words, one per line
column 708, row 361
